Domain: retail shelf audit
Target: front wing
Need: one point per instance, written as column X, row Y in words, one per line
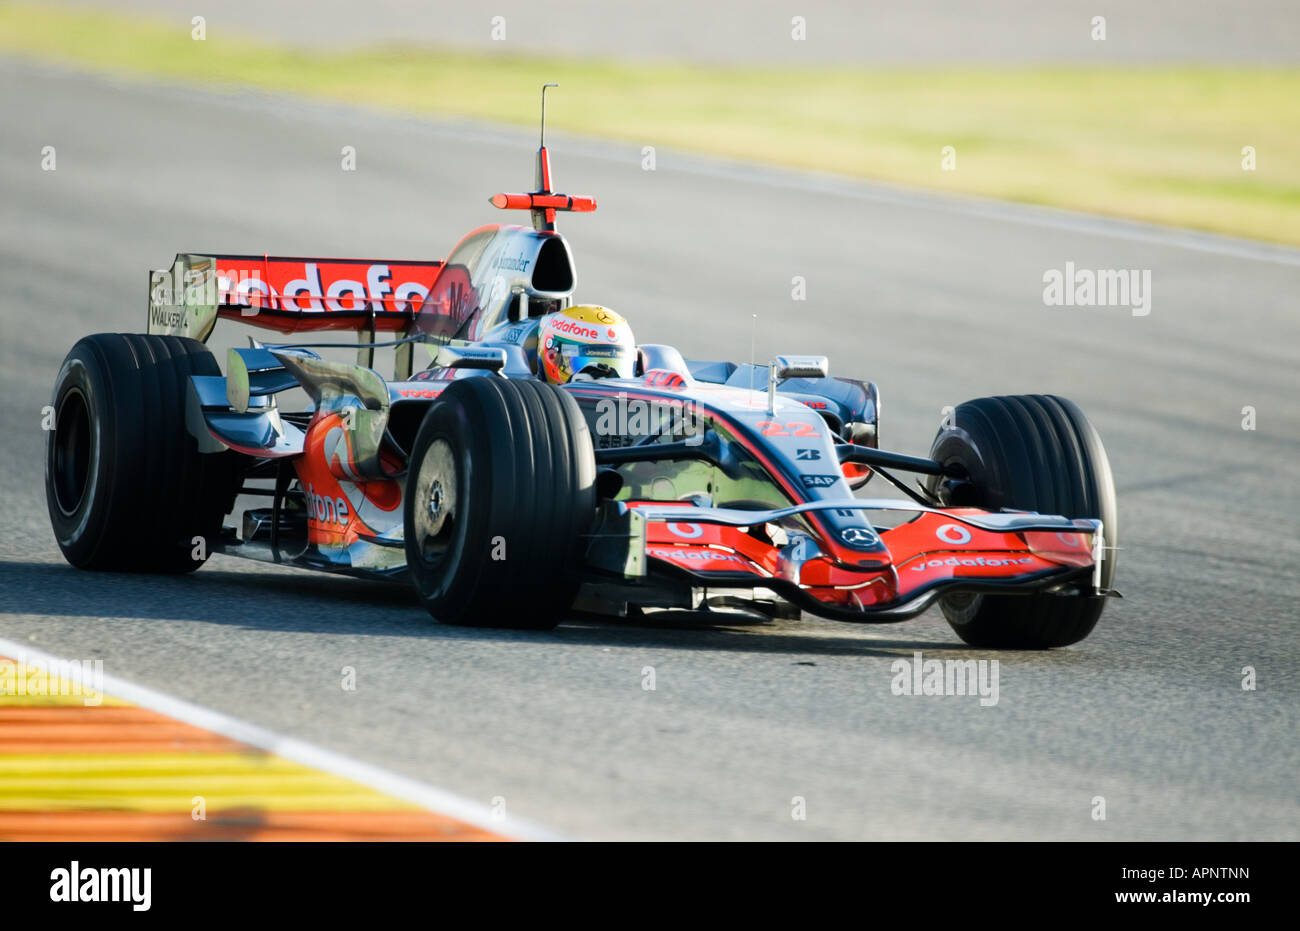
column 936, row 552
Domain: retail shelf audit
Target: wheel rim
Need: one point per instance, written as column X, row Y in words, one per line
column 72, row 448
column 437, row 503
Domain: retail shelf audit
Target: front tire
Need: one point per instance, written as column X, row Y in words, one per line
column 1034, row 453
column 125, row 484
column 500, row 490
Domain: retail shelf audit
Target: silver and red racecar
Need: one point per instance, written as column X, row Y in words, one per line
column 509, row 500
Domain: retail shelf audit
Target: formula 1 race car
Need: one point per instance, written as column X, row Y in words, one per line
column 538, row 462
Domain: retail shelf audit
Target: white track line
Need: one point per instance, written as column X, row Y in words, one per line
column 434, row 799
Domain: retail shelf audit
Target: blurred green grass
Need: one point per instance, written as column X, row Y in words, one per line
column 1162, row 144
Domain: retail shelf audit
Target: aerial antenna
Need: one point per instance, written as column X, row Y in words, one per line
column 544, row 86
column 544, row 159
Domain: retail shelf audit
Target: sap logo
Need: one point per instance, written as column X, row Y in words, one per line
column 324, row 509
column 819, row 481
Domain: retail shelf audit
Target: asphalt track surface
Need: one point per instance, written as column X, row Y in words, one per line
column 937, row 299
column 862, row 32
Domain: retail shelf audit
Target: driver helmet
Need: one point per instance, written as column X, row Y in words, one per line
column 585, row 341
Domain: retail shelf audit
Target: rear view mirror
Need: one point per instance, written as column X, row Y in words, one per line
column 800, row 367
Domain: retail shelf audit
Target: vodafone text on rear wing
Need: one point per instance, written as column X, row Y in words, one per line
column 290, row 295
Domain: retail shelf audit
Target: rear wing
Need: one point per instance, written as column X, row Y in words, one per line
column 291, row 295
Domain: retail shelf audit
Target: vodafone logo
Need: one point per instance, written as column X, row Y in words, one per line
column 661, row 552
column 923, row 565
column 688, row 531
column 611, row 334
column 952, row 533
column 574, row 328
column 324, row 509
column 324, row 286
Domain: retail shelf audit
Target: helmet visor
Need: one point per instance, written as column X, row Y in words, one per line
column 596, row 361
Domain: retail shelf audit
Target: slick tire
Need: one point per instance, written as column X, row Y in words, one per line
column 501, row 488
column 1034, row 453
column 126, row 486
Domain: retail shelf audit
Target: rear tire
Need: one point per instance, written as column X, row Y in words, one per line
column 500, row 489
column 1035, row 453
column 125, row 484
